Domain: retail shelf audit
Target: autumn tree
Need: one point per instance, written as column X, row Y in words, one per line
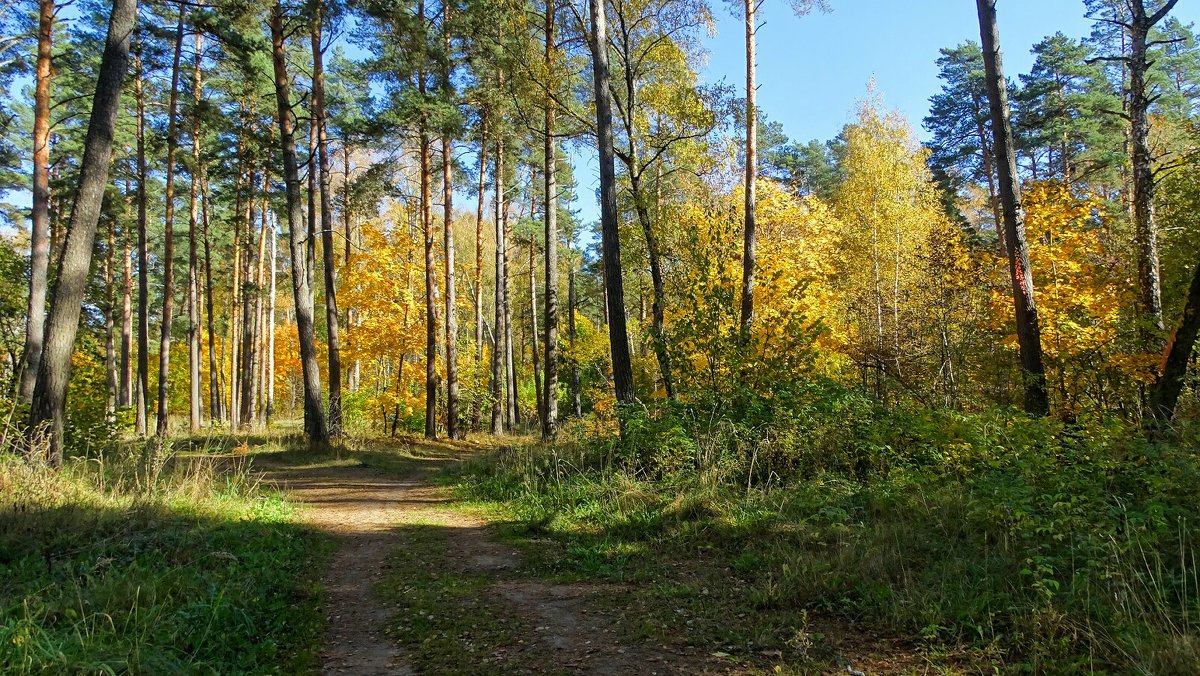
column 1025, row 310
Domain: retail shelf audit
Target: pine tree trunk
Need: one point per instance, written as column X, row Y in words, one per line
column 245, row 180
column 499, row 391
column 533, row 330
column 193, row 279
column 331, row 309
column 314, row 414
column 110, row 344
column 39, row 232
column 54, row 371
column 260, row 324
column 168, row 300
column 618, row 335
column 125, row 395
column 142, row 389
column 215, row 397
column 550, row 149
column 452, row 422
column 576, row 403
column 271, row 333
column 749, row 255
column 1028, row 332
column 431, row 309
column 510, row 371
column 477, row 421
column 1146, row 232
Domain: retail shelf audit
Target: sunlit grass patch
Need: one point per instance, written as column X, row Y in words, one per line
column 148, row 564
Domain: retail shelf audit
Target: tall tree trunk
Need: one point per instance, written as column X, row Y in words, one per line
column 510, row 370
column 478, row 292
column 54, row 371
column 431, row 309
column 331, row 309
column 110, row 344
column 351, row 315
column 310, row 247
column 533, row 330
column 168, row 299
column 259, row 372
column 618, row 335
column 193, row 280
column 249, row 292
column 499, row 373
column 245, row 180
column 1149, row 279
column 550, row 150
column 125, row 395
column 39, row 235
column 431, row 305
column 1028, row 332
column 452, row 421
column 314, row 414
column 142, row 390
column 576, row 404
column 346, row 222
column 749, row 257
column 215, row 396
column 270, row 408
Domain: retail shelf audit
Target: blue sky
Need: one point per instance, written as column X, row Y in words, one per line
column 813, row 70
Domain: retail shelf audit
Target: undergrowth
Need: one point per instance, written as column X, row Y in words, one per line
column 1002, row 542
column 134, row 561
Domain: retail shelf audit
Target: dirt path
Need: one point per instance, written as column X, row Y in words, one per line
column 549, row 627
column 359, row 508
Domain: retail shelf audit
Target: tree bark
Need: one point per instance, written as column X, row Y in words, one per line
column 314, row 414
column 1028, row 331
column 110, row 302
column 247, row 351
column 168, row 300
column 270, row 408
column 50, row 391
column 1149, row 278
column 245, row 180
column 533, row 329
column 576, row 404
column 749, row 255
column 431, row 332
column 478, row 291
column 452, row 422
column 331, row 309
column 39, row 234
column 125, row 394
column 550, row 149
column 215, row 396
column 618, row 335
column 499, row 391
column 142, row 392
column 510, row 370
column 193, row 280
column 260, row 324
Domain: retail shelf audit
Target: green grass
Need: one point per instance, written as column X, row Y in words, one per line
column 1043, row 557
column 139, row 564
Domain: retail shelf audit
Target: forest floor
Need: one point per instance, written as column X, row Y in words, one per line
column 421, row 583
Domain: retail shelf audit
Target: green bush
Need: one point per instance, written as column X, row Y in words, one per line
column 1034, row 544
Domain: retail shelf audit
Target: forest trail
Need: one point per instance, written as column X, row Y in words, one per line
column 530, row 625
